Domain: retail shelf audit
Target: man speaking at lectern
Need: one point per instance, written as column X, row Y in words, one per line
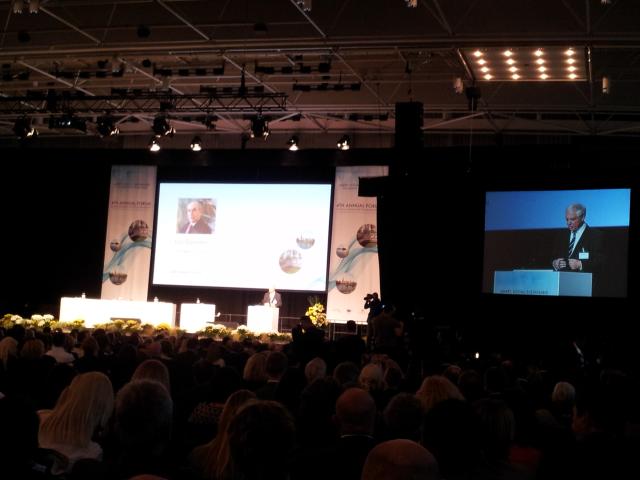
column 272, row 298
column 581, row 250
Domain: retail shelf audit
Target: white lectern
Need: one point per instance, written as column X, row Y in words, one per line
column 195, row 316
column 262, row 319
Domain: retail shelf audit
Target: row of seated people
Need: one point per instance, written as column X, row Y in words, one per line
column 195, row 408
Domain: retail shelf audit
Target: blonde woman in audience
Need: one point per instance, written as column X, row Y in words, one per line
column 212, row 460
column 435, row 389
column 155, row 370
column 83, row 408
column 316, row 368
column 255, row 371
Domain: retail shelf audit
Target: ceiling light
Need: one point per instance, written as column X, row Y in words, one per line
column 305, row 5
column 293, row 144
column 18, row 5
column 106, row 127
column 477, row 53
column 541, row 69
column 544, row 76
column 511, row 61
column 571, row 61
column 485, row 69
column 538, row 52
column 513, row 69
column 260, row 127
column 515, row 76
column 34, row 6
column 507, row 53
column 571, row 68
column 23, row 129
column 154, row 146
column 344, row 143
column 196, row 144
column 572, row 76
column 488, row 76
column 540, row 61
column 162, row 128
column 569, row 52
column 482, row 61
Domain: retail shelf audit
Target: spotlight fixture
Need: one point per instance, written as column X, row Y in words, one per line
column 196, row 144
column 344, row 143
column 34, row 6
column 18, row 5
column 305, row 5
column 23, row 129
column 260, row 127
column 293, row 144
column 411, row 3
column 162, row 128
column 107, row 127
column 154, row 146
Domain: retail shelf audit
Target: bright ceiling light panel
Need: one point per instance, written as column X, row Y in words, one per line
column 528, row 64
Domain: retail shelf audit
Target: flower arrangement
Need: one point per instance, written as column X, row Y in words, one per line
column 316, row 312
column 39, row 322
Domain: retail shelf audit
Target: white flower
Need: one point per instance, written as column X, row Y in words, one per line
column 41, row 323
column 242, row 328
column 216, row 326
column 18, row 319
column 37, row 317
column 48, row 317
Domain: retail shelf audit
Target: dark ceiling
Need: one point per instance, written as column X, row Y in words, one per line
column 338, row 67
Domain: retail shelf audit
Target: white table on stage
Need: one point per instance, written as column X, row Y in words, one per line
column 95, row 311
column 262, row 319
column 195, row 316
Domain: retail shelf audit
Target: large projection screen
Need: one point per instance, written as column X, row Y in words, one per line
column 526, row 230
column 248, row 235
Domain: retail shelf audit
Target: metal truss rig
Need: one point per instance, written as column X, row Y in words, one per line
column 39, row 103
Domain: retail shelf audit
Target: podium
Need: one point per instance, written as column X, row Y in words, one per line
column 262, row 319
column 542, row 282
column 195, row 316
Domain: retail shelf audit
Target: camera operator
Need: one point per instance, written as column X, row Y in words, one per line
column 374, row 304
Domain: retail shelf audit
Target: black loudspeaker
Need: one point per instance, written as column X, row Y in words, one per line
column 409, row 123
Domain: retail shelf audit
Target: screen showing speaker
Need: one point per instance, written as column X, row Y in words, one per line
column 242, row 235
column 557, row 242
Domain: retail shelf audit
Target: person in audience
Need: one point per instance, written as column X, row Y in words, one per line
column 155, row 370
column 435, row 389
column 261, row 439
column 81, row 412
column 196, row 221
column 400, row 459
column 403, row 417
column 143, row 427
column 58, row 351
column 275, row 367
column 316, row 368
column 213, row 460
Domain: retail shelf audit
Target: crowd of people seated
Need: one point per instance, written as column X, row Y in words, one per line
column 102, row 405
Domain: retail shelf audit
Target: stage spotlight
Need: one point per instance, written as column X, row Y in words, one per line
column 305, row 5
column 107, row 127
column 293, row 144
column 196, row 144
column 18, row 5
column 34, row 6
column 260, row 127
column 162, row 128
column 154, row 146
column 23, row 128
column 344, row 143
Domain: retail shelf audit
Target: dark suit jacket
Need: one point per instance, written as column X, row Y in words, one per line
column 278, row 299
column 590, row 242
column 200, row 227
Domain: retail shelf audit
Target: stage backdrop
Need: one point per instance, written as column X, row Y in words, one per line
column 127, row 252
column 354, row 270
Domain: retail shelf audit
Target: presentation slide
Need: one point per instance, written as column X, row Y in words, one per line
column 557, row 242
column 243, row 235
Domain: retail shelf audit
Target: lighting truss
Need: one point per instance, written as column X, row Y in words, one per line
column 142, row 103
